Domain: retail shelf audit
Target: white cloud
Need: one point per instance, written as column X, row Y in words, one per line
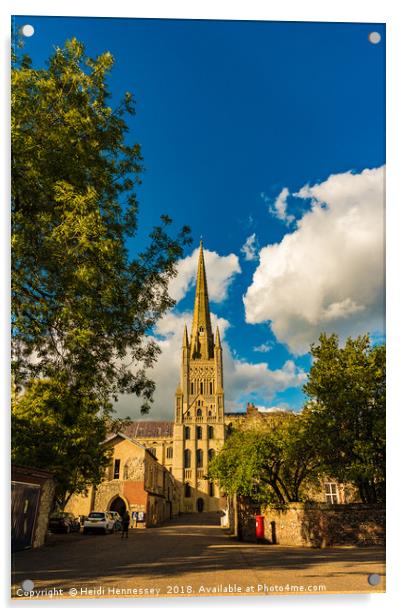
column 221, row 271
column 278, row 208
column 250, row 248
column 263, row 348
column 240, row 377
column 328, row 275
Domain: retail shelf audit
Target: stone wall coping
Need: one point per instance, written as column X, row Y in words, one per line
column 324, row 507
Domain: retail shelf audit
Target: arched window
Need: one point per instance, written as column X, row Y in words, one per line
column 192, row 388
column 211, row 454
column 199, row 458
column 187, row 458
column 199, row 432
column 187, row 490
column 210, row 432
column 211, row 489
column 211, row 388
column 169, row 452
column 187, row 432
column 201, row 387
column 199, row 412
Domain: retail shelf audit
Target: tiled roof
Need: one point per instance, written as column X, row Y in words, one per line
column 147, row 429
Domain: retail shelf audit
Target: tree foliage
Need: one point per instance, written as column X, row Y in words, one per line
column 346, row 387
column 271, row 461
column 48, row 432
column 81, row 306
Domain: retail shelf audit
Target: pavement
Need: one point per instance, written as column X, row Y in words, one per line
column 189, row 556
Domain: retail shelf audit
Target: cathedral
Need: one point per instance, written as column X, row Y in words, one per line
column 159, row 468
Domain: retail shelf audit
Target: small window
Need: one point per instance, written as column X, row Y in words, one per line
column 187, row 458
column 211, row 454
column 187, row 432
column 331, row 493
column 125, row 471
column 199, row 412
column 187, row 490
column 192, row 388
column 200, row 458
column 199, row 432
column 201, row 329
column 210, row 432
column 211, row 489
column 116, row 471
column 169, row 452
column 211, row 388
column 201, row 387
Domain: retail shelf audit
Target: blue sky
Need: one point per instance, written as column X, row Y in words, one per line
column 257, row 131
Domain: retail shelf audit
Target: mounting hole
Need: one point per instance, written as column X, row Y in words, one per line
column 27, row 585
column 373, row 579
column 374, row 37
column 28, row 30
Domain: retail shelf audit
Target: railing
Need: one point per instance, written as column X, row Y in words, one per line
column 200, row 473
column 187, row 473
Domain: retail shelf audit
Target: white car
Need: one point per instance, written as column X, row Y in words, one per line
column 99, row 521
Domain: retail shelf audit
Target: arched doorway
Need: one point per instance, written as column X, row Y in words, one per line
column 118, row 505
column 200, row 505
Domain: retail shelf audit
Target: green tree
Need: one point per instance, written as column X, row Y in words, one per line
column 346, row 387
column 48, row 432
column 272, row 461
column 81, row 305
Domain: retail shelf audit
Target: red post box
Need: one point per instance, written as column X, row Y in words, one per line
column 259, row 526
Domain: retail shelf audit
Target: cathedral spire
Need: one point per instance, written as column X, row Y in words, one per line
column 201, row 333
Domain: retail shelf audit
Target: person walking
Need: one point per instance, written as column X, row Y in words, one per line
column 125, row 525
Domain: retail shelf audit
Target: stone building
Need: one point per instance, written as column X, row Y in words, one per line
column 199, row 422
column 135, row 482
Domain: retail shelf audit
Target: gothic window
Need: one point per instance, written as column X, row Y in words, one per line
column 169, row 452
column 211, row 454
column 211, row 489
column 187, row 432
column 116, row 471
column 199, row 458
column 201, row 387
column 187, row 458
column 187, row 490
column 199, row 412
column 210, row 432
column 331, row 493
column 199, row 432
column 211, row 388
column 192, row 388
column 201, row 329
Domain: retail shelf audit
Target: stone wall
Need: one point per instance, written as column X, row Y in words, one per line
column 321, row 525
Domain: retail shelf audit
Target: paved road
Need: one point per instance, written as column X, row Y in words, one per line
column 190, row 556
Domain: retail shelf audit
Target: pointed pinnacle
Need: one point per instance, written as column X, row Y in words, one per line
column 217, row 337
column 185, row 337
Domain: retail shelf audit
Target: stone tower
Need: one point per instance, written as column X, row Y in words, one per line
column 199, row 405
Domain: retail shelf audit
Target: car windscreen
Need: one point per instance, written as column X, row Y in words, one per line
column 96, row 515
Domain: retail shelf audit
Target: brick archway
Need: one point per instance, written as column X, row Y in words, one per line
column 119, row 504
